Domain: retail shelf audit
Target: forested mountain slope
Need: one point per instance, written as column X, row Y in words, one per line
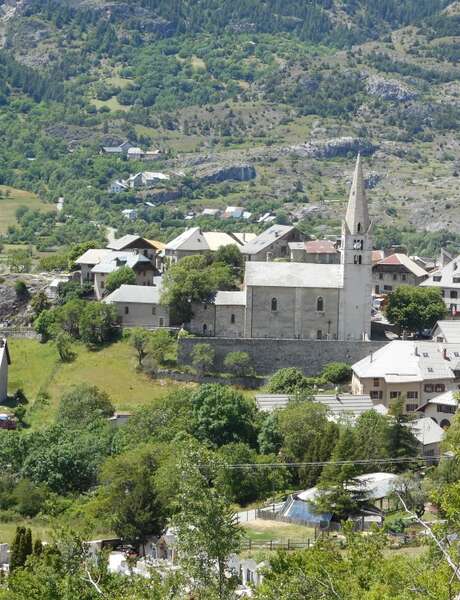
column 216, row 83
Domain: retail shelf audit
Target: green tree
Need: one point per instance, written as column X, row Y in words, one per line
column 239, row 363
column 207, row 531
column 192, row 279
column 64, row 347
column 231, row 256
column 287, row 381
column 129, row 497
column 21, row 548
column 337, row 372
column 97, row 323
column 161, row 344
column 22, row 293
column 244, row 485
column 414, row 309
column 46, row 324
column 308, row 436
column 29, row 497
column 202, row 357
column 69, row 314
column 122, row 276
column 401, row 441
column 39, row 303
column 82, row 404
column 139, row 339
column 221, row 415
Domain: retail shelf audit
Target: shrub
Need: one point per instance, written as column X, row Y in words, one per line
column 337, row 372
column 239, row 363
column 287, row 381
column 202, row 357
column 123, row 275
column 22, row 293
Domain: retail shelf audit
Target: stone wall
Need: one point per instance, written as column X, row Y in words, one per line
column 269, row 355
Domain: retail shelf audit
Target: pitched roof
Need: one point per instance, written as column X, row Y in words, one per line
column 447, row 398
column 156, row 244
column 444, row 277
column 410, row 361
column 93, row 256
column 300, row 275
column 230, row 299
column 338, row 405
column 194, row 240
column 357, row 215
column 320, row 247
column 128, row 259
column 266, row 238
column 449, row 330
column 135, row 294
column 402, row 260
column 244, row 237
column 125, row 241
column 427, row 431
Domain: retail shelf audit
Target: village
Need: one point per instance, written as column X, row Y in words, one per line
column 295, row 320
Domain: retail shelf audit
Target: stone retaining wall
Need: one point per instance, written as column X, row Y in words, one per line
column 269, row 355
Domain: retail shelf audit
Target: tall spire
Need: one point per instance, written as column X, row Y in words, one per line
column 357, row 217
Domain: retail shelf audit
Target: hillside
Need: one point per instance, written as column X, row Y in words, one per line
column 294, row 89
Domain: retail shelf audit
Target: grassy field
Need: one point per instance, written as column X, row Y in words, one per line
column 36, row 367
column 11, row 199
column 264, row 531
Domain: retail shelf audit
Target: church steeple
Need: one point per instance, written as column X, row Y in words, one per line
column 357, row 216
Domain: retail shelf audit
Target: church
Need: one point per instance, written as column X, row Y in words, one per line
column 303, row 300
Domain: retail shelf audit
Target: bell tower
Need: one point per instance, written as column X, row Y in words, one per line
column 356, row 294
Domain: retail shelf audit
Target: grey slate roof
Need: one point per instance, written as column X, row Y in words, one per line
column 135, row 294
column 338, row 405
column 124, row 241
column 301, row 275
column 230, row 299
column 266, row 238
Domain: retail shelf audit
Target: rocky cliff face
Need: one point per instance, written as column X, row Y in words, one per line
column 218, row 173
column 342, row 146
column 389, row 89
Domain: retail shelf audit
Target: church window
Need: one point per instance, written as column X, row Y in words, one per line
column 320, row 304
column 358, row 244
column 359, row 227
column 358, row 259
column 205, row 329
column 319, row 334
column 232, row 319
column 274, row 304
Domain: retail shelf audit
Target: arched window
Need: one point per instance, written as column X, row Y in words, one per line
column 274, row 304
column 319, row 334
column 359, row 227
column 232, row 319
column 205, row 329
column 320, row 304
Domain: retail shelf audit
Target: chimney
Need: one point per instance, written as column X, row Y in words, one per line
column 444, row 354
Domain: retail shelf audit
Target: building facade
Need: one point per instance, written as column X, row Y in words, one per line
column 300, row 300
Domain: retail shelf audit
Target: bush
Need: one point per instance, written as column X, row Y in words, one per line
column 239, row 363
column 22, row 293
column 203, row 358
column 287, row 381
column 337, row 372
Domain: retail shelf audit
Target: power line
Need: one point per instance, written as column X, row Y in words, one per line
column 379, row 461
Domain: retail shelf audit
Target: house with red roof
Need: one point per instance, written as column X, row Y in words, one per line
column 395, row 270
